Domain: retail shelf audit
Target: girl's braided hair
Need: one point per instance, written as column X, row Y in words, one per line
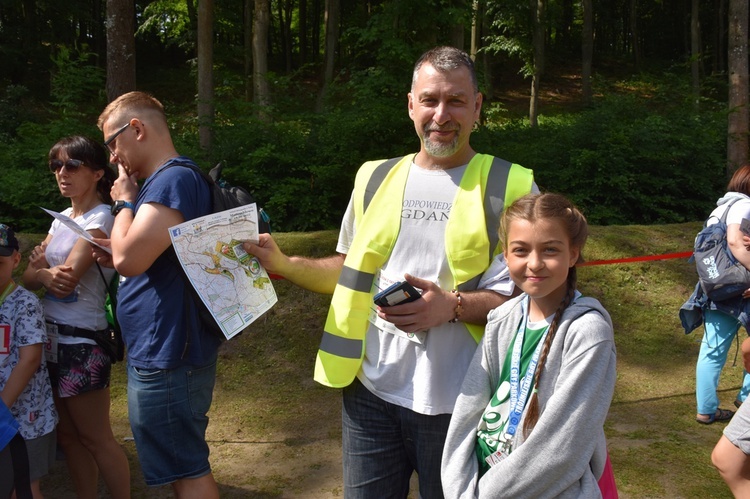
column 547, row 206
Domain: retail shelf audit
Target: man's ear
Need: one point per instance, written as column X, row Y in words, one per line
column 478, row 105
column 139, row 127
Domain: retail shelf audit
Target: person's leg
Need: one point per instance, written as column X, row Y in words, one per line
column 89, row 413
column 733, row 466
column 376, row 465
column 36, row 490
column 41, row 455
column 81, row 465
column 168, row 415
column 6, row 478
column 745, row 349
column 196, row 488
column 745, row 389
column 424, row 437
column 720, row 329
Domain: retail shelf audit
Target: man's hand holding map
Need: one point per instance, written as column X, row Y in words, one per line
column 231, row 283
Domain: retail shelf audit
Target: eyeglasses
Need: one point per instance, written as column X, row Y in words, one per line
column 113, row 137
column 71, row 165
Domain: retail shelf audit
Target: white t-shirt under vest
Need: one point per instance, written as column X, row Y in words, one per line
column 424, row 377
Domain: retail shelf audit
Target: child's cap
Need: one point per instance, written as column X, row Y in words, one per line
column 8, row 241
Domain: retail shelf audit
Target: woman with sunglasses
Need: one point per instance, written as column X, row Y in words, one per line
column 74, row 300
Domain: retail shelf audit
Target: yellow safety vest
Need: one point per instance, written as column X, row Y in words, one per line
column 471, row 241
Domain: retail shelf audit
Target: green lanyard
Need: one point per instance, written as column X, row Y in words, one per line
column 7, row 291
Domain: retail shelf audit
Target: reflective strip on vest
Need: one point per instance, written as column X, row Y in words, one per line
column 343, row 347
column 356, row 279
column 488, row 185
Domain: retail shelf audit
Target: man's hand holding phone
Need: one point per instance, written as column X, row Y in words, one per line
column 396, row 294
column 418, row 312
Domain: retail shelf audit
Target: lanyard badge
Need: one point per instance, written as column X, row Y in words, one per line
column 519, row 388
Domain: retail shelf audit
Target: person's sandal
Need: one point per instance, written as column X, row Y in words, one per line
column 719, row 415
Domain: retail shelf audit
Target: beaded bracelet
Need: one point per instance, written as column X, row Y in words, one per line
column 459, row 308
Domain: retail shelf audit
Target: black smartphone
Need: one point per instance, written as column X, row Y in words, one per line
column 397, row 293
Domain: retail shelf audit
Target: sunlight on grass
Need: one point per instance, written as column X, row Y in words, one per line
column 276, row 433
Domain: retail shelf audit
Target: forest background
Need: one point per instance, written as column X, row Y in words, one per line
column 636, row 109
column 295, row 94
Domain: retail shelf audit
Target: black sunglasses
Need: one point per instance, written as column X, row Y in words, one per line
column 71, row 165
column 114, row 136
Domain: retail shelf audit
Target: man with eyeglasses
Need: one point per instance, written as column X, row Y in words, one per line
column 166, row 342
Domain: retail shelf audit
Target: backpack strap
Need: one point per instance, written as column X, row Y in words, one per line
column 723, row 218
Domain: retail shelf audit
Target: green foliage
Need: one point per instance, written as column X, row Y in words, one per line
column 625, row 160
column 32, row 185
column 167, row 20
column 513, row 28
column 640, row 154
column 24, row 154
column 397, row 33
column 74, row 82
column 265, row 394
column 301, row 168
column 11, row 111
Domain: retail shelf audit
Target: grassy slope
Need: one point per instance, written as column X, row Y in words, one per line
column 265, row 394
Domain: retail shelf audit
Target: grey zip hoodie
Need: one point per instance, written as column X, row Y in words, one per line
column 565, row 453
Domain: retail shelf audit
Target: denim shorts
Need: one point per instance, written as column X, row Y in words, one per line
column 168, row 410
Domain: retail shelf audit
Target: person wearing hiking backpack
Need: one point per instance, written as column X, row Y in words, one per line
column 74, row 294
column 171, row 358
column 721, row 319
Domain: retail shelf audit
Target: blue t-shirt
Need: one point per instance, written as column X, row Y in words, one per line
column 155, row 311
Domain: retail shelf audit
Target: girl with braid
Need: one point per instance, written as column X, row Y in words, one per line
column 529, row 421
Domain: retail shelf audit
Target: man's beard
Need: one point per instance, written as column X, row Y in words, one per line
column 437, row 148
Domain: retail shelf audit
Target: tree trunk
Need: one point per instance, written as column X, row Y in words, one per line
column 192, row 18
column 457, row 36
column 587, row 52
column 120, row 25
column 737, row 136
column 695, row 51
column 634, row 33
column 457, row 29
column 205, row 72
column 475, row 30
column 30, row 39
column 487, row 59
column 285, row 28
column 248, row 52
column 261, row 23
column 302, row 32
column 316, row 31
column 720, row 31
column 537, row 7
column 332, row 35
column 568, row 20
